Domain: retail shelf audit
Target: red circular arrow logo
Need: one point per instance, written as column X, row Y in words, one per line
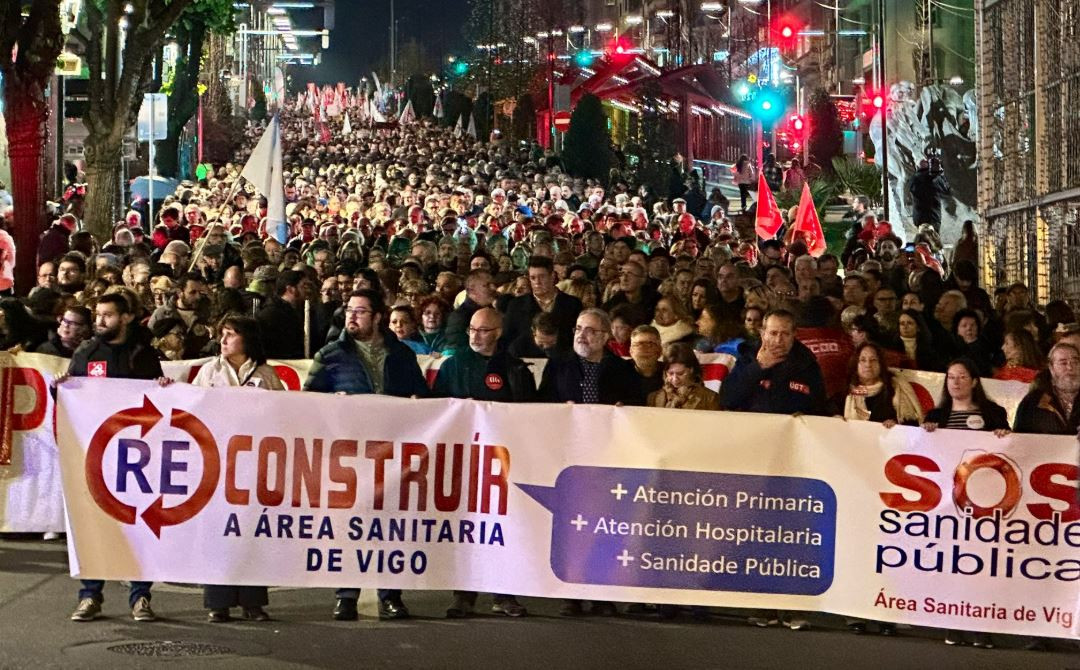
column 156, row 515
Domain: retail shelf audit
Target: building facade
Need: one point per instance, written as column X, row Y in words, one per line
column 1029, row 137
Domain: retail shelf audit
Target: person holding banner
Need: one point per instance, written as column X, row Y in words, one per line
column 367, row 358
column 119, row 349
column 780, row 376
column 592, row 375
column 964, row 405
column 875, row 394
column 241, row 363
column 1052, row 407
column 485, row 372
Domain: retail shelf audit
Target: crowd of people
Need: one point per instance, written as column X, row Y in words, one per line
column 410, row 240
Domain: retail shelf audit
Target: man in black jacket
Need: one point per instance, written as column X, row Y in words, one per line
column 282, row 319
column 591, row 375
column 780, row 377
column 485, row 372
column 119, row 349
column 479, row 292
column 545, row 297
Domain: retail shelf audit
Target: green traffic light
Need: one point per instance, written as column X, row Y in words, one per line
column 461, row 67
column 583, row 58
column 768, row 105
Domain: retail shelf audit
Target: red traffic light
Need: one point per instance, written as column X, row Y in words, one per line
column 620, row 46
column 787, row 32
column 798, row 123
column 878, row 101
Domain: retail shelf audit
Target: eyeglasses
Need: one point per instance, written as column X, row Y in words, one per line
column 481, row 331
column 587, row 331
column 72, row 324
column 358, row 311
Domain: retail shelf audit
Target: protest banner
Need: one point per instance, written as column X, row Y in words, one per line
column 948, row 529
column 30, row 496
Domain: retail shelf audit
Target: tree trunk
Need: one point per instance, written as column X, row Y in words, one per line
column 103, row 156
column 26, row 128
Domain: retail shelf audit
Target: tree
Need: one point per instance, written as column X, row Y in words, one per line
column 652, row 154
column 587, row 152
column 826, row 134
column 190, row 33
column 39, row 38
column 419, row 91
column 523, row 123
column 119, row 77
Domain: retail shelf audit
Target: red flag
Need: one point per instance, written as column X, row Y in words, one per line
column 324, row 133
column 768, row 214
column 807, row 226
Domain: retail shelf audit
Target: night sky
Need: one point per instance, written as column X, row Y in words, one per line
column 361, row 34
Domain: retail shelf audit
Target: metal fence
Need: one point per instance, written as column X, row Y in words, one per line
column 1029, row 146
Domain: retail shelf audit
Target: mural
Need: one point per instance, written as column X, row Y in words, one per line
column 923, row 123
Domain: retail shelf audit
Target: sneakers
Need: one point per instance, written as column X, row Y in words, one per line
column 87, row 610
column 954, row 638
column 509, row 606
column 982, row 640
column 797, row 623
column 141, row 611
column 762, row 622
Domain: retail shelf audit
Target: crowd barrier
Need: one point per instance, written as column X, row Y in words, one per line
column 948, row 529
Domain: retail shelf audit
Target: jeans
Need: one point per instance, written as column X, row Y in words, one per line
column 354, row 594
column 92, row 588
column 744, row 194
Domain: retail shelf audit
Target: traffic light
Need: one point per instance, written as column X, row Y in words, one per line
column 767, row 105
column 620, row 47
column 741, row 90
column 786, row 33
column 460, row 68
column 583, row 58
column 796, row 132
column 870, row 104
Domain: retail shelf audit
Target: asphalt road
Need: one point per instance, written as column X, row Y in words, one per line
column 37, row 595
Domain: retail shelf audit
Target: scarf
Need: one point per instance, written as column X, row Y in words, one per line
column 855, row 404
column 674, row 332
column 904, row 401
column 678, row 398
column 909, row 346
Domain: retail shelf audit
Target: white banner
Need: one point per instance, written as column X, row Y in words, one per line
column 30, row 496
column 947, row 529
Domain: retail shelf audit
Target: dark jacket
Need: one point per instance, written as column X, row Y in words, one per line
column 1040, row 412
column 337, row 368
column 457, row 325
column 54, row 347
column 994, row 417
column 282, row 327
column 517, row 322
column 792, row 385
column 133, row 358
column 502, row 378
column 618, row 382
